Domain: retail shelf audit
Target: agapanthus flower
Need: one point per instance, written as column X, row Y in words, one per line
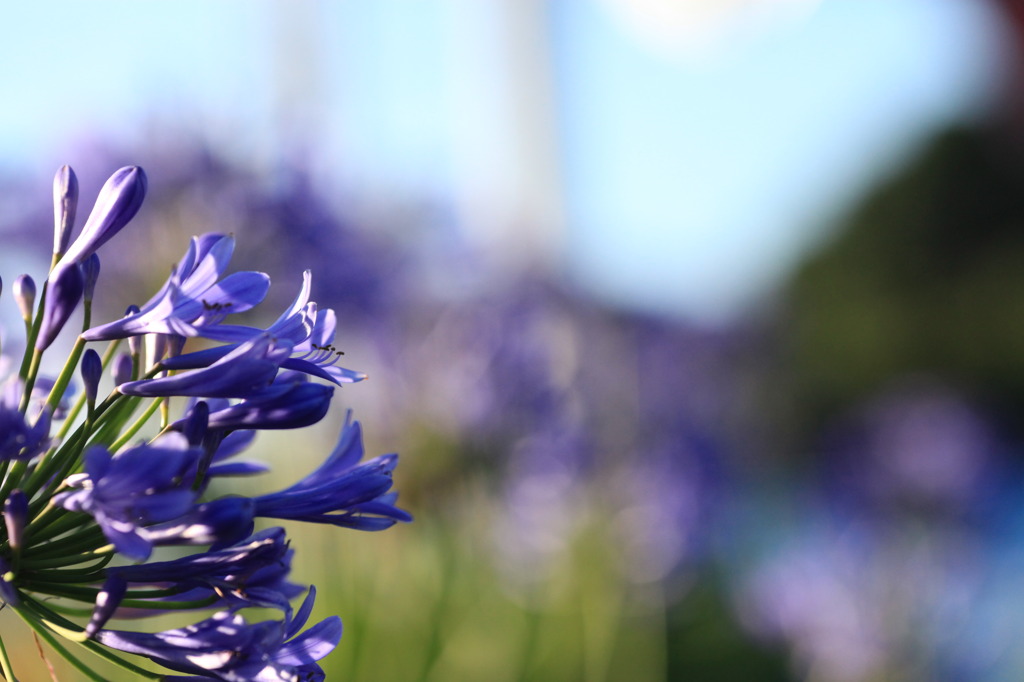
column 194, row 296
column 86, row 506
column 139, row 486
column 308, row 331
column 249, row 367
column 341, row 492
column 290, row 402
column 226, row 647
column 252, row 572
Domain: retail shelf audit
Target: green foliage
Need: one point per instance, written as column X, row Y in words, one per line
column 924, row 277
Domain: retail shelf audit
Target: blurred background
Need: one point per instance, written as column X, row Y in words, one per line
column 695, row 323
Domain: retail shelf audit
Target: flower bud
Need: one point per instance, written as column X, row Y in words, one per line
column 107, row 600
column 25, row 295
column 156, row 347
column 196, row 423
column 62, row 297
column 65, row 203
column 15, row 515
column 91, row 271
column 122, row 371
column 117, row 203
column 92, row 371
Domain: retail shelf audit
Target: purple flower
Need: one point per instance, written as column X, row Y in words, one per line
column 309, row 330
column 288, row 403
column 226, row 647
column 192, row 298
column 247, row 368
column 139, row 486
column 219, row 523
column 18, row 438
column 250, row 573
column 341, row 491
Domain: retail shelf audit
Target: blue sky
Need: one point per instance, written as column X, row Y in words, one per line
column 690, row 184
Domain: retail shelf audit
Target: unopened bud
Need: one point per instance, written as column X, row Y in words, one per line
column 25, row 295
column 65, row 203
column 15, row 515
column 118, row 202
column 91, row 271
column 62, row 297
column 92, row 371
column 122, row 370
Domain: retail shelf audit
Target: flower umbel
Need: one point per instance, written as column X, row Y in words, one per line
column 87, row 502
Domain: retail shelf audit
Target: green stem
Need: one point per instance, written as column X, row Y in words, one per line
column 90, row 574
column 59, row 621
column 5, row 663
column 130, row 432
column 30, row 378
column 61, row 561
column 65, row 375
column 13, row 478
column 47, row 525
column 76, row 592
column 71, row 610
column 170, row 605
column 87, row 539
column 32, row 332
column 44, row 633
column 156, row 594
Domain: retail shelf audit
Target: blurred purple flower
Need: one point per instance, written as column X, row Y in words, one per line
column 918, row 447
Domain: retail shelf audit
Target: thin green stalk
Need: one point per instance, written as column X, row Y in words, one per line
column 5, row 663
column 76, row 592
column 59, row 621
column 130, row 432
column 44, row 633
column 14, row 477
column 108, row 426
column 170, row 605
column 57, row 464
column 85, row 540
column 45, row 525
column 77, row 611
column 30, row 378
column 64, row 378
column 156, row 594
column 32, row 332
column 59, row 562
column 89, row 574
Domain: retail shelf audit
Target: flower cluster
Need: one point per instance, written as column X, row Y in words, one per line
column 86, row 503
